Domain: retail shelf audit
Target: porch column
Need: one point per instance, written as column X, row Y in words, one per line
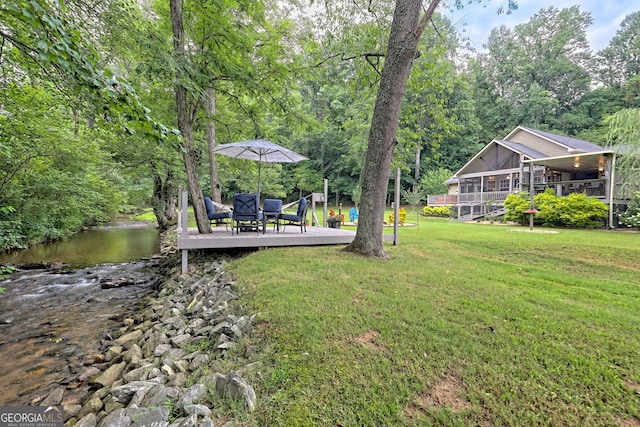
column 612, row 187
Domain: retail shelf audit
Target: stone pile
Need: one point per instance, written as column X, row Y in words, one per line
column 157, row 368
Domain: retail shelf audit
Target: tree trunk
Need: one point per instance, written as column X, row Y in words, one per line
column 406, row 29
column 164, row 200
column 186, row 118
column 210, row 107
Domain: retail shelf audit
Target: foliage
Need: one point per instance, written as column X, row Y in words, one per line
column 624, row 136
column 43, row 34
column 620, row 61
column 516, row 327
column 575, row 210
column 631, row 217
column 437, row 211
column 413, row 196
column 433, row 181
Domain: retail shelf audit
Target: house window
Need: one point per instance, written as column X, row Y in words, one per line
column 491, row 185
column 503, row 185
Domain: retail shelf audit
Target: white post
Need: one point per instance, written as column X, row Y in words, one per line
column 183, row 224
column 612, row 188
column 396, row 209
column 326, row 198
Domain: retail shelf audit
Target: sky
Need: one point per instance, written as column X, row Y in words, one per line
column 481, row 18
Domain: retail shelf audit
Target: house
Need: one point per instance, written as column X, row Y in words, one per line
column 525, row 155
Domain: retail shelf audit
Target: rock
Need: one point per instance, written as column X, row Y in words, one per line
column 199, row 410
column 111, row 375
column 181, row 365
column 87, row 373
column 88, row 420
column 138, row 374
column 181, row 340
column 234, row 387
column 198, row 361
column 156, row 417
column 117, row 418
column 162, row 349
column 190, row 421
column 112, row 353
column 129, row 338
column 152, row 342
column 54, row 398
column 133, row 354
column 71, row 411
column 124, row 393
column 156, row 396
column 92, row 406
column 192, row 395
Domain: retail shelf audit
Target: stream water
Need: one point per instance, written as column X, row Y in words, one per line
column 51, row 322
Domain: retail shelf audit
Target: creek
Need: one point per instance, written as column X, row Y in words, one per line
column 52, row 320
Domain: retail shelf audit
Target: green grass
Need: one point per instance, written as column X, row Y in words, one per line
column 464, row 324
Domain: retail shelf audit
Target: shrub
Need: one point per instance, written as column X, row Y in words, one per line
column 437, row 211
column 516, row 204
column 631, row 217
column 575, row 210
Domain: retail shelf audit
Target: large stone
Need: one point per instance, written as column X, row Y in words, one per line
column 54, row 398
column 113, row 352
column 111, row 375
column 156, row 417
column 198, row 361
column 131, row 337
column 162, row 349
column 234, row 387
column 156, row 396
column 192, row 395
column 199, row 410
column 117, row 418
column 181, row 340
column 133, row 355
column 92, row 406
column 124, row 393
column 153, row 341
column 138, row 374
column 88, row 420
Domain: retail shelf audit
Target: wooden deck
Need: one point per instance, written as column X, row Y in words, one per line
column 221, row 238
column 291, row 236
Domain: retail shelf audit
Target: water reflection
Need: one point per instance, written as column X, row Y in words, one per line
column 114, row 243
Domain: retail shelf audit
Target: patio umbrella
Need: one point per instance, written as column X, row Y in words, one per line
column 260, row 150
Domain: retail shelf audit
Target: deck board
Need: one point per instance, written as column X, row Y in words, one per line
column 291, row 236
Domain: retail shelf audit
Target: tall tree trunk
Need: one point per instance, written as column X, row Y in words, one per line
column 186, row 118
column 210, row 107
column 406, row 28
column 164, row 200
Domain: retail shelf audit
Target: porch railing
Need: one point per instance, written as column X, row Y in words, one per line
column 442, row 200
column 494, row 196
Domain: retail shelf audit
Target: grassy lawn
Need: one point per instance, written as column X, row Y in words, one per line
column 464, row 324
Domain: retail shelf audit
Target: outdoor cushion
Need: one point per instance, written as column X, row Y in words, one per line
column 299, row 218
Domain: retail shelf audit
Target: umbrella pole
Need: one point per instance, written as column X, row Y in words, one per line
column 259, row 170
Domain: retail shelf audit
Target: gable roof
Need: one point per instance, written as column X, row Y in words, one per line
column 573, row 145
column 522, row 149
column 513, row 146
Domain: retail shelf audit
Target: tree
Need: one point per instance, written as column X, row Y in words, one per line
column 624, row 135
column 534, row 73
column 407, row 26
column 620, row 61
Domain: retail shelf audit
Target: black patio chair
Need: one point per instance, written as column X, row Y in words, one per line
column 271, row 209
column 216, row 218
column 299, row 219
column 246, row 213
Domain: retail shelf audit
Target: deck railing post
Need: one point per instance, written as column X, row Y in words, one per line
column 396, row 211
